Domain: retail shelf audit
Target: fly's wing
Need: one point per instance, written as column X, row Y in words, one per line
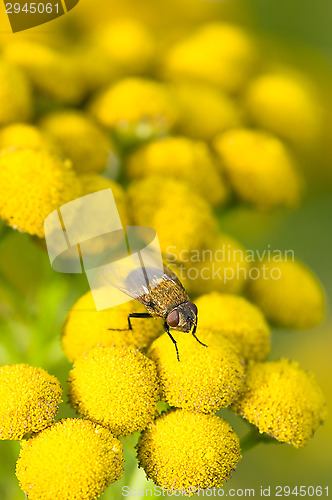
column 132, row 270
column 136, row 275
column 172, row 277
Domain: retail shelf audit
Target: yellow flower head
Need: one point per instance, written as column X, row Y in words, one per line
column 92, row 65
column 288, row 293
column 204, row 110
column 282, row 400
column 79, row 139
column 205, row 379
column 287, row 105
column 178, row 213
column 220, row 268
column 15, row 95
column 188, row 450
column 20, row 135
column 126, row 44
column 116, row 387
column 118, row 48
column 217, row 53
column 136, row 108
column 237, row 320
column 29, row 400
column 259, row 167
column 181, row 158
column 86, row 327
column 90, row 183
column 51, row 71
column 33, row 183
column 73, row 459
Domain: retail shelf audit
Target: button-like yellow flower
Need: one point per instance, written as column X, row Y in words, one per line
column 186, row 450
column 116, row 387
column 29, row 400
column 206, row 378
column 217, row 53
column 127, row 45
column 73, row 459
column 287, row 105
column 204, row 110
column 20, row 135
column 288, row 293
column 282, row 400
column 260, row 168
column 93, row 66
column 79, row 139
column 15, row 95
column 33, row 183
column 236, row 319
column 220, row 268
column 51, row 71
column 86, row 327
column 90, row 183
column 181, row 158
column 136, row 108
column 182, row 218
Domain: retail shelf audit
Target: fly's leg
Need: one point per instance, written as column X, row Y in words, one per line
column 137, row 315
column 172, row 339
column 131, row 315
column 194, row 334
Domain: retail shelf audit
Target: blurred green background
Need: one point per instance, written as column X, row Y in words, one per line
column 34, row 299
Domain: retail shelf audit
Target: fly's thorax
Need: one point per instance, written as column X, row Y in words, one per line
column 163, row 297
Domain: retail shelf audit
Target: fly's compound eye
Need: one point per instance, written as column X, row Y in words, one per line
column 173, row 318
column 193, row 307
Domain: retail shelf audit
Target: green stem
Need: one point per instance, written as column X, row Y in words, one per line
column 253, row 438
column 250, row 440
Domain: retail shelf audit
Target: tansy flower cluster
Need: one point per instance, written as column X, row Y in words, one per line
column 117, row 382
column 182, row 131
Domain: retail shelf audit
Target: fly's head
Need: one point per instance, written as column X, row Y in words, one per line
column 183, row 317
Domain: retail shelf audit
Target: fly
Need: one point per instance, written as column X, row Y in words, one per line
column 163, row 295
